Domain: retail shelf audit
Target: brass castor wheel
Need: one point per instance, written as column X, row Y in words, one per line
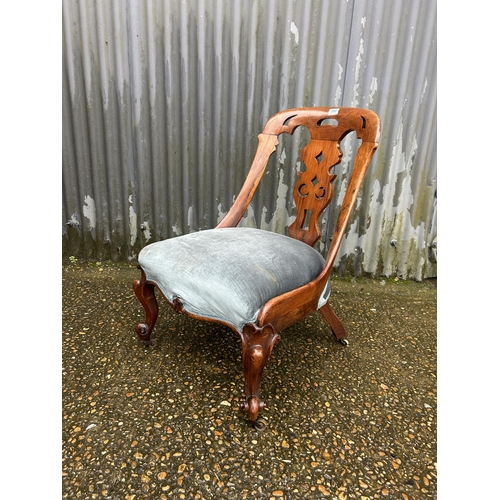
column 344, row 342
column 258, row 425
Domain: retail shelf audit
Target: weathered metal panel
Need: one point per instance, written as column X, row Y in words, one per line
column 163, row 102
column 392, row 70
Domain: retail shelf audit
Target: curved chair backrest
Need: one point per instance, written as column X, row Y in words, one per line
column 313, row 190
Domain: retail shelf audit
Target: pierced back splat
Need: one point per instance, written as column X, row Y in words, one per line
column 327, row 127
column 313, row 190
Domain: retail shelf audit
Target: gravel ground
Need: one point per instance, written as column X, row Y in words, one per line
column 162, row 421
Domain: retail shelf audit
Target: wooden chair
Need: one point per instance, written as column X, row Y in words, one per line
column 258, row 282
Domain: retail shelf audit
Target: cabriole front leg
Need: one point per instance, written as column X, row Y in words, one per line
column 257, row 345
column 145, row 292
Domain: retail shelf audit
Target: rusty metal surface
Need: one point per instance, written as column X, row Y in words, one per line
column 163, row 101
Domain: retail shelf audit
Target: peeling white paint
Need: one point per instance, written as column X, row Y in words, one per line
column 391, row 218
column 373, row 89
column 89, row 211
column 359, row 59
column 221, row 213
column 346, row 158
column 282, row 157
column 281, row 218
column 146, row 230
column 176, row 229
column 341, row 70
column 338, row 96
column 132, row 222
column 423, row 91
column 248, row 220
column 190, row 218
column 338, row 90
column 298, row 166
column 295, row 32
column 73, row 221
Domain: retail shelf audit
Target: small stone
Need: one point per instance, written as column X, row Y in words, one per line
column 181, row 468
column 162, row 475
column 285, row 444
column 277, row 493
column 323, row 490
column 225, row 403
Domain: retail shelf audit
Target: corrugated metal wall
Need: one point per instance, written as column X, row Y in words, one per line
column 163, row 101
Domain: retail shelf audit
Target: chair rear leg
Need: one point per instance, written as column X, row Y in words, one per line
column 257, row 345
column 145, row 292
column 335, row 324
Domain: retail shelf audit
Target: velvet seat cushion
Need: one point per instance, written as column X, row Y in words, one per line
column 228, row 274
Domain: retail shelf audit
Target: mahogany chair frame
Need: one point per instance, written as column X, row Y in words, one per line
column 312, row 193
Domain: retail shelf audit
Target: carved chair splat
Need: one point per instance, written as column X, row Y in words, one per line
column 229, row 274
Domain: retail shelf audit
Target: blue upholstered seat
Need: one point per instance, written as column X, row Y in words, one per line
column 228, row 274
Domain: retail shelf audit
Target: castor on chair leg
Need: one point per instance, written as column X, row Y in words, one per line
column 145, row 292
column 335, row 324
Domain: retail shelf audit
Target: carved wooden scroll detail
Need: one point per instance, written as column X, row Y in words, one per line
column 313, row 190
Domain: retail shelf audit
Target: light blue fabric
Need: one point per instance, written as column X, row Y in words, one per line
column 228, row 274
